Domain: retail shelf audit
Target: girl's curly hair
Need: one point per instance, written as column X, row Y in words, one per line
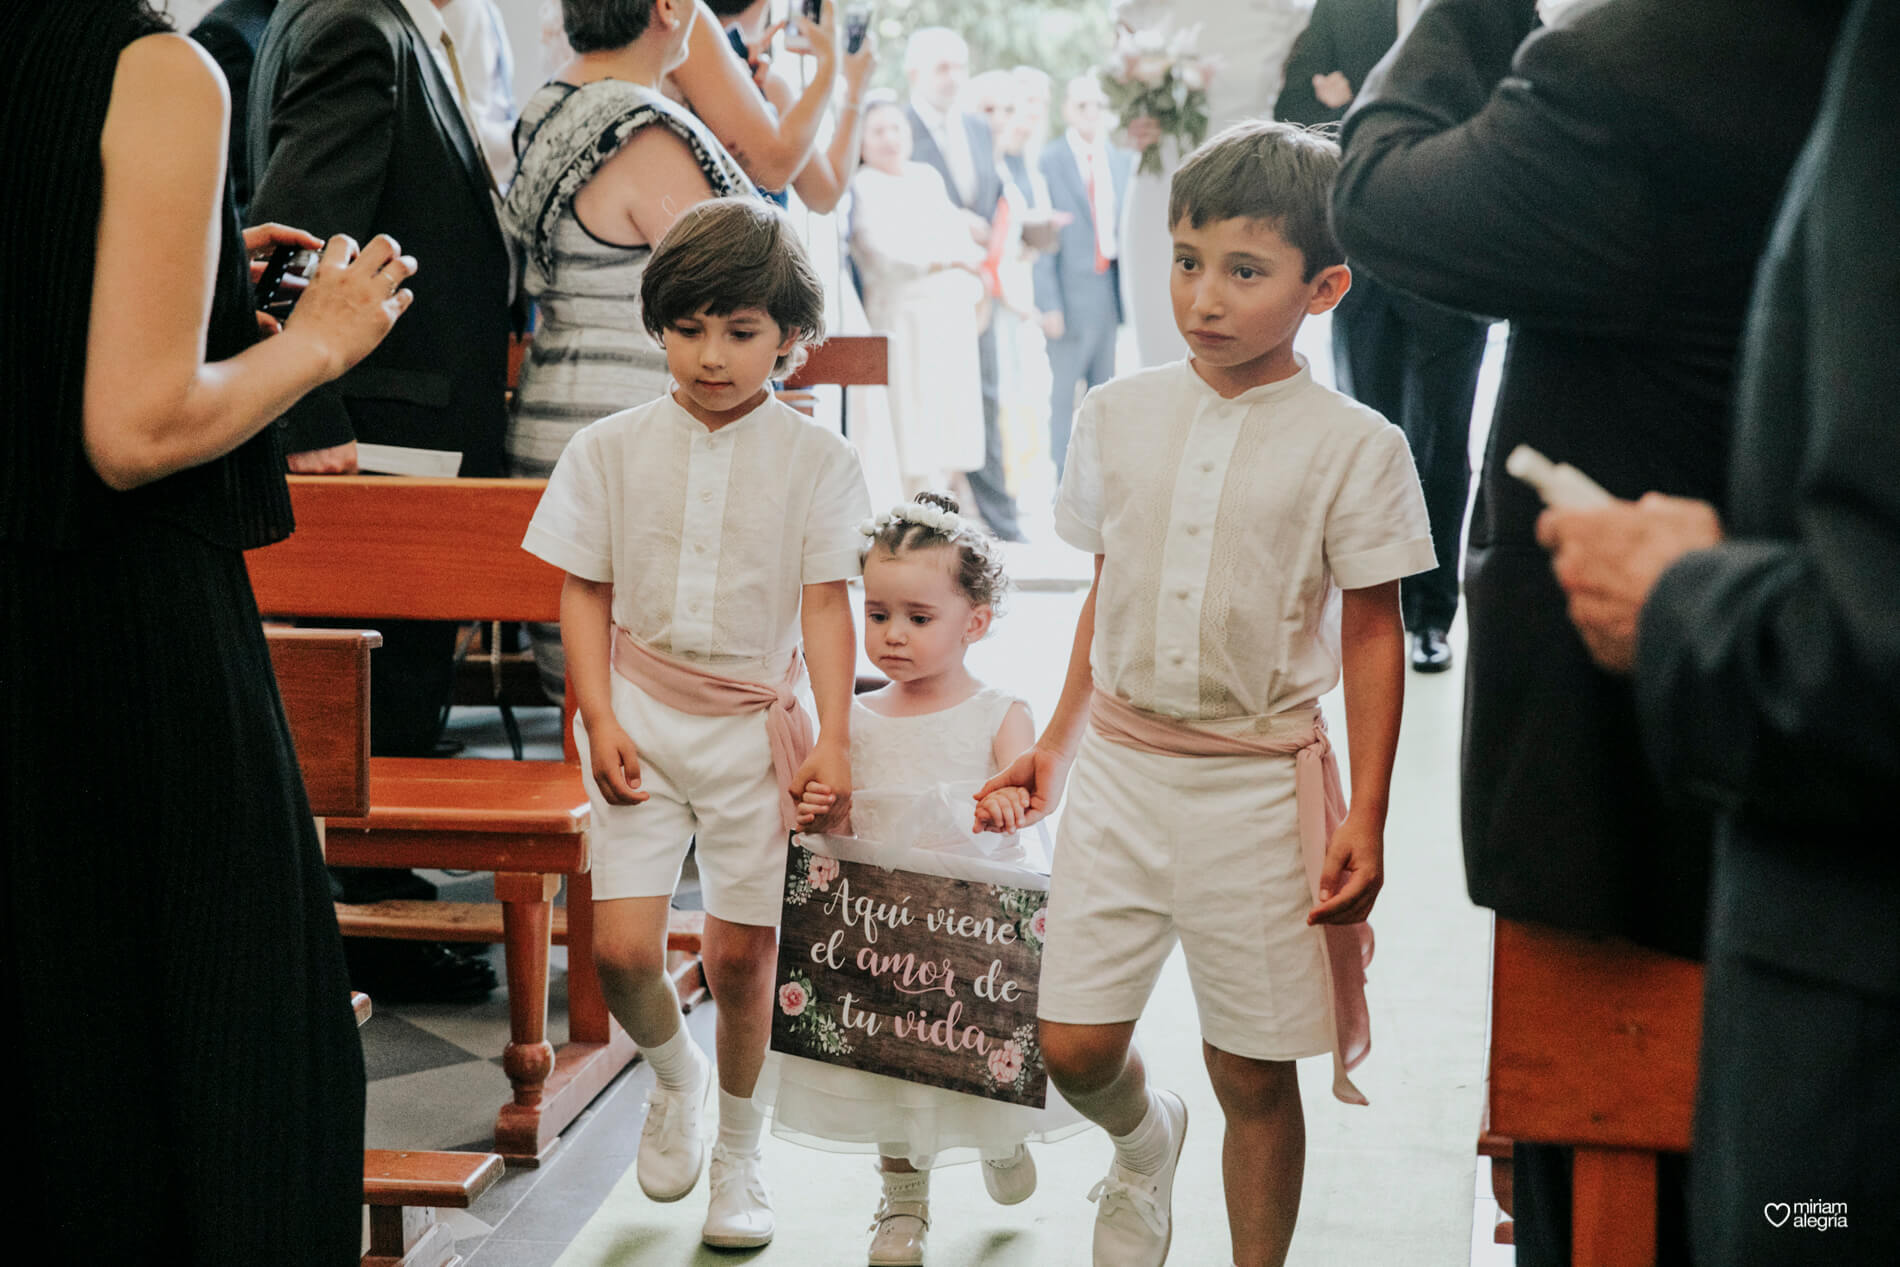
column 979, row 571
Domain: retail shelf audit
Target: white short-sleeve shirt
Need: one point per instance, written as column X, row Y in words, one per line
column 707, row 536
column 1228, row 529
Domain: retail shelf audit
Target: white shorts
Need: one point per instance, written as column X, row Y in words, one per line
column 707, row 779
column 1203, row 849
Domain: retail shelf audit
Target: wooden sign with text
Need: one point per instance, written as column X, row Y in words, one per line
column 915, row 976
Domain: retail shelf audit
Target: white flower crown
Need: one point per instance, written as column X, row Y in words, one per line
column 935, row 518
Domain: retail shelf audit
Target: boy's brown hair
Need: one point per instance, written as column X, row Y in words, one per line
column 725, row 254
column 1279, row 173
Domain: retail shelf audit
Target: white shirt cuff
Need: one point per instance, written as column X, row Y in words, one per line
column 570, row 558
column 1386, row 563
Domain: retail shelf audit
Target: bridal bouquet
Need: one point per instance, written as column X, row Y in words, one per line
column 1158, row 77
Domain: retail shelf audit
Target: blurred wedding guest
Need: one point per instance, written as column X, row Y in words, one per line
column 1766, row 649
column 772, row 144
column 1244, row 43
column 1413, row 361
column 1078, row 285
column 920, row 287
column 1033, row 95
column 231, row 33
column 357, row 124
column 1546, row 181
column 826, row 174
column 959, row 149
column 487, row 61
column 587, row 216
column 172, row 978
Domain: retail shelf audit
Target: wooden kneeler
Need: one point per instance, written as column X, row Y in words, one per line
column 1594, row 1043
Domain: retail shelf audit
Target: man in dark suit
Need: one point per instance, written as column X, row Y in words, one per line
column 356, row 127
column 1413, row 361
column 1608, row 187
column 231, row 33
column 1768, row 683
column 937, row 64
column 1078, row 285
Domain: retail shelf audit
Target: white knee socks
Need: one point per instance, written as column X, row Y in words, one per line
column 1144, row 1150
column 740, row 1123
column 676, row 1063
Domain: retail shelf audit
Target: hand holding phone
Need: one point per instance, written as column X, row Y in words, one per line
column 857, row 24
column 805, row 16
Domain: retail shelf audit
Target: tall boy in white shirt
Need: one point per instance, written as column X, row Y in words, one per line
column 1228, row 500
column 701, row 534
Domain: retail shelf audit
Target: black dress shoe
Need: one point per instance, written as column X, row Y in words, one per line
column 416, row 972
column 1430, row 652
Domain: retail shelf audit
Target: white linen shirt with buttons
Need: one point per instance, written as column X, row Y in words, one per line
column 706, row 536
column 1229, row 528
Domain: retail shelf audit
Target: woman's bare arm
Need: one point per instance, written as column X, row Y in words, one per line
column 152, row 404
column 719, row 87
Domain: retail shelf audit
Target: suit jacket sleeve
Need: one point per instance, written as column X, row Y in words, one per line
column 1314, row 53
column 1048, row 269
column 320, row 159
column 1768, row 669
column 1496, row 179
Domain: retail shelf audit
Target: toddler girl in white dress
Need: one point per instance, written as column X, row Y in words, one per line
column 919, row 748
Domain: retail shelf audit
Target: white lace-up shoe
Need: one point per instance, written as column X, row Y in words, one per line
column 899, row 1227
column 1012, row 1179
column 673, row 1141
column 1134, row 1214
column 740, row 1216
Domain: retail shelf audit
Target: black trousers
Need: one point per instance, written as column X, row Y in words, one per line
column 990, row 485
column 1797, row 1109
column 1417, row 364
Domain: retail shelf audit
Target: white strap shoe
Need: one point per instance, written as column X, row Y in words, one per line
column 897, row 1232
column 740, row 1214
column 1012, row 1179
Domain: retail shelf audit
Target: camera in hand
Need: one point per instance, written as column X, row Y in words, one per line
column 857, row 24
column 279, row 286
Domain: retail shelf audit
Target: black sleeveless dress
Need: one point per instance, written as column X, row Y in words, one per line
column 186, row 1080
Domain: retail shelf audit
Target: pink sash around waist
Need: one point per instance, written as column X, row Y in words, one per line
column 692, row 688
column 1300, row 734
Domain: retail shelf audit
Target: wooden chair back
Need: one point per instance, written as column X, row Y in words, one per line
column 323, row 677
column 1594, row 1044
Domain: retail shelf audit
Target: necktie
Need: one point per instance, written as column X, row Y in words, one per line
column 1095, row 212
column 468, row 112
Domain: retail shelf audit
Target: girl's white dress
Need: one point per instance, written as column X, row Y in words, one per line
column 912, row 808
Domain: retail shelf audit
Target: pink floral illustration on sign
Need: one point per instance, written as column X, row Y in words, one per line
column 792, row 998
column 821, row 871
column 1039, row 924
column 1006, row 1061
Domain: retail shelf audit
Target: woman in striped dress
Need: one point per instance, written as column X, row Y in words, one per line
column 606, row 165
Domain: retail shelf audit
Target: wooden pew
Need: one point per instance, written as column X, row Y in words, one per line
column 369, row 548
column 323, row 677
column 846, row 360
column 1594, row 1043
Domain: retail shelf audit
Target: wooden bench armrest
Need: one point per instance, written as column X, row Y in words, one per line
column 444, row 1181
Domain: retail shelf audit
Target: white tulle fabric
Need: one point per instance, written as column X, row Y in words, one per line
column 912, row 809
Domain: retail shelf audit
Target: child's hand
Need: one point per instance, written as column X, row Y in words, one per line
column 1352, row 875
column 1041, row 774
column 1003, row 810
column 815, row 803
column 616, row 763
column 829, row 767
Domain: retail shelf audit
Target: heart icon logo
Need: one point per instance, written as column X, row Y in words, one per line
column 1776, row 1212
